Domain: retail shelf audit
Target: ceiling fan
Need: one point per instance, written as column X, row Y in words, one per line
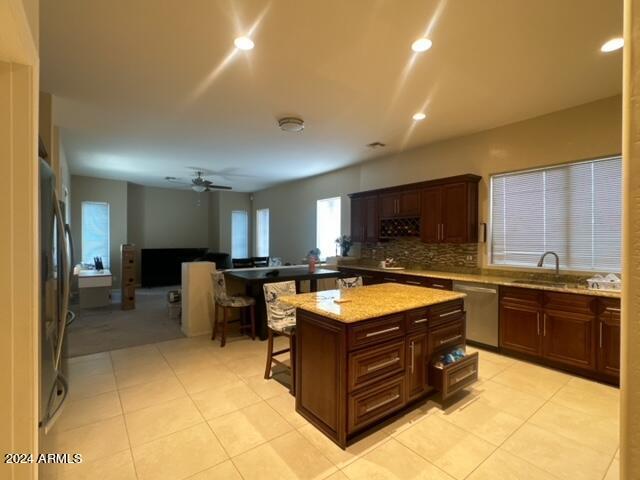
column 199, row 183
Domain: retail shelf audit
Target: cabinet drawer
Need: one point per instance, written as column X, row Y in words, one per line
column 418, row 319
column 439, row 283
column 447, row 335
column 371, row 364
column 570, row 302
column 520, row 296
column 454, row 377
column 375, row 402
column 376, row 331
column 128, row 276
column 417, row 281
column 446, row 312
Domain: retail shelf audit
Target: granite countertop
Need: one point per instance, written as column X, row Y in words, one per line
column 492, row 280
column 369, row 302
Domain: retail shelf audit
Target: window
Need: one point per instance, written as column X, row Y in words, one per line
column 574, row 210
column 239, row 234
column 262, row 232
column 327, row 226
column 95, row 232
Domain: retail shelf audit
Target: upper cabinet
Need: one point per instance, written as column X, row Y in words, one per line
column 450, row 212
column 364, row 218
column 438, row 211
column 400, row 204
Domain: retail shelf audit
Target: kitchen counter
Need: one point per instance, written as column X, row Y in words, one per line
column 490, row 279
column 362, row 303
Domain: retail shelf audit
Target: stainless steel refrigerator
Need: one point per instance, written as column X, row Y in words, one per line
column 56, row 261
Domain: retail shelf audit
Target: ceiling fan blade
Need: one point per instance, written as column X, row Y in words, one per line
column 218, row 187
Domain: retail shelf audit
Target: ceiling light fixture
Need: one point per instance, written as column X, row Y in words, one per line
column 421, row 45
column 198, row 188
column 243, row 43
column 291, row 124
column 419, row 116
column 612, row 45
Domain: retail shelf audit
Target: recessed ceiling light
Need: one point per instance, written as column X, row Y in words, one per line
column 419, row 116
column 244, row 43
column 421, row 45
column 612, row 45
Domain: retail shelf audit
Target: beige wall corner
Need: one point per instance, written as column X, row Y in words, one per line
column 630, row 375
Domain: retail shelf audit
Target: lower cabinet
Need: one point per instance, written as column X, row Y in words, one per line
column 609, row 338
column 580, row 333
column 417, row 359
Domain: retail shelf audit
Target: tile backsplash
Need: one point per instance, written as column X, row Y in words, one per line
column 411, row 252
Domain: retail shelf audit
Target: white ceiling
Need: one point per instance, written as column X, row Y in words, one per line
column 143, row 89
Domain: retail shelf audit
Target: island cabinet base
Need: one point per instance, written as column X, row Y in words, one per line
column 353, row 376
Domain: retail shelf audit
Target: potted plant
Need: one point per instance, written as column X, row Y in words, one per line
column 345, row 244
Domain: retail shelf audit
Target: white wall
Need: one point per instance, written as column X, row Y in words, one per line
column 222, row 203
column 583, row 132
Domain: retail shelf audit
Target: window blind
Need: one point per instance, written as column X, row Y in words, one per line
column 574, row 210
column 262, row 232
column 239, row 234
column 95, row 232
column 327, row 226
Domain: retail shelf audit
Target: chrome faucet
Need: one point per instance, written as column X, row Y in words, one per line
column 541, row 261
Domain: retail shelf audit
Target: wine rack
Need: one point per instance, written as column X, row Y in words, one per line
column 400, row 227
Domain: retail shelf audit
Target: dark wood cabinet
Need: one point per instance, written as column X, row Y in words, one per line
column 450, row 212
column 364, row 219
column 400, row 204
column 609, row 338
column 349, row 376
column 417, row 358
column 580, row 333
column 440, row 211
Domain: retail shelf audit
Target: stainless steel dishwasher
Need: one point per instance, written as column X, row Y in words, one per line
column 481, row 304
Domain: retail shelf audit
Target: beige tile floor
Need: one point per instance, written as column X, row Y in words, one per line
column 188, row 409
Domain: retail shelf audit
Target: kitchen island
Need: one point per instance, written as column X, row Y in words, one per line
column 363, row 354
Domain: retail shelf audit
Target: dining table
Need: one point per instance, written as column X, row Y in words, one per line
column 254, row 279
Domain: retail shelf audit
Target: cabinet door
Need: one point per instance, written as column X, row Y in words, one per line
column 409, row 204
column 568, row 338
column 416, row 366
column 520, row 328
column 389, row 205
column 609, row 340
column 431, row 214
column 455, row 221
column 357, row 219
column 371, row 218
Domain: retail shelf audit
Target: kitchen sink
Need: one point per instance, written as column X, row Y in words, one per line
column 544, row 283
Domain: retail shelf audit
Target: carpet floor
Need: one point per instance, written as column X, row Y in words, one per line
column 110, row 328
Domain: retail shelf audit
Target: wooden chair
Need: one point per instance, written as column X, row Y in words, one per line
column 225, row 302
column 242, row 262
column 260, row 261
column 351, row 282
column 281, row 320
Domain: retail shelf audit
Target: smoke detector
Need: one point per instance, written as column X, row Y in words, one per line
column 291, row 124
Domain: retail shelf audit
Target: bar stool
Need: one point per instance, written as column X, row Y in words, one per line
column 351, row 282
column 221, row 299
column 281, row 320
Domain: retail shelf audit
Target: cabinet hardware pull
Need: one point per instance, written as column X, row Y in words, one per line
column 386, row 363
column 413, row 282
column 422, row 320
column 450, row 339
column 464, row 377
column 544, row 325
column 390, row 279
column 382, row 403
column 380, row 332
column 611, row 309
column 442, row 236
column 438, row 285
column 453, row 312
column 600, row 341
column 538, row 323
column 412, row 347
